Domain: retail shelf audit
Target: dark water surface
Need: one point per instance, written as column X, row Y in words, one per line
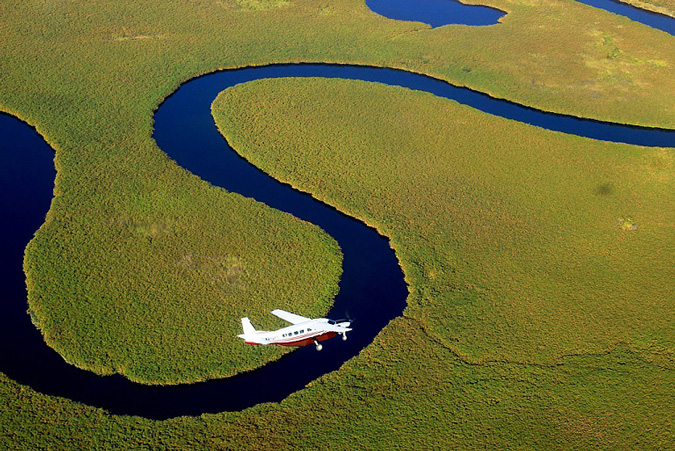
column 436, row 12
column 372, row 289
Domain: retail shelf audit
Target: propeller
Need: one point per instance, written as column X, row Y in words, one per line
column 345, row 323
column 348, row 320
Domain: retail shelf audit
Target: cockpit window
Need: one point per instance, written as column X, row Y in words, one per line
column 330, row 321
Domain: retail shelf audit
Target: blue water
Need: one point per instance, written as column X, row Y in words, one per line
column 372, row 288
column 436, row 12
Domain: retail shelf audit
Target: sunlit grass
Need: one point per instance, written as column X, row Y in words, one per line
column 520, row 244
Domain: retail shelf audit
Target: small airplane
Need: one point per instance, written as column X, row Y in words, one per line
column 302, row 332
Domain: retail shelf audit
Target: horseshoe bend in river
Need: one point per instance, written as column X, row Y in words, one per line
column 372, row 286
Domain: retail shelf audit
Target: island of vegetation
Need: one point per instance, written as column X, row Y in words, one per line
column 511, row 237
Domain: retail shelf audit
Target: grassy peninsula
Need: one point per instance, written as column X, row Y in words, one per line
column 129, row 226
column 520, row 244
column 194, row 263
column 125, row 217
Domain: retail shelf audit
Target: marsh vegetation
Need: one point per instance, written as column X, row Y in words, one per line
column 137, row 253
column 508, row 234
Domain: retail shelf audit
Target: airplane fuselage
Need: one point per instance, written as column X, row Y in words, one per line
column 301, row 337
column 302, row 332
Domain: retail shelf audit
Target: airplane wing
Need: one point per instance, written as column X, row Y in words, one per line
column 290, row 317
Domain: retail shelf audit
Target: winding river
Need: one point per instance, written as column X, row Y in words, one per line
column 372, row 286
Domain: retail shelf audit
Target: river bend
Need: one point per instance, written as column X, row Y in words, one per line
column 372, row 286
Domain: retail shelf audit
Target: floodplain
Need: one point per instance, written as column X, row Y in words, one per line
column 89, row 75
column 520, row 244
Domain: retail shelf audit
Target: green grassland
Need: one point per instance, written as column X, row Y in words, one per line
column 194, row 263
column 131, row 238
column 90, row 74
column 519, row 244
column 403, row 392
column 98, row 116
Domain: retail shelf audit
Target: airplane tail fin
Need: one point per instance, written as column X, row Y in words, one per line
column 248, row 327
column 250, row 335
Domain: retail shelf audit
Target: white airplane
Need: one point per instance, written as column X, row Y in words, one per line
column 302, row 332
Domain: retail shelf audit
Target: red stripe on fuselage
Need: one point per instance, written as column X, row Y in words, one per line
column 307, row 341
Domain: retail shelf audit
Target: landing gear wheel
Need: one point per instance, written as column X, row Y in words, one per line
column 319, row 347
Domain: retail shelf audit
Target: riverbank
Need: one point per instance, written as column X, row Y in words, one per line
column 542, row 231
column 665, row 7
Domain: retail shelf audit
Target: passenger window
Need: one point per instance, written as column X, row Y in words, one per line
column 302, row 331
column 296, row 332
